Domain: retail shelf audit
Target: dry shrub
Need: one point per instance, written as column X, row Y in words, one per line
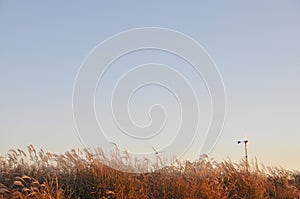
column 85, row 174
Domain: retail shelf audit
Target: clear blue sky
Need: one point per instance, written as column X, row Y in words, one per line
column 255, row 45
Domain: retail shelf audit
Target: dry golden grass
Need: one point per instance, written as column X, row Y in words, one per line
column 82, row 174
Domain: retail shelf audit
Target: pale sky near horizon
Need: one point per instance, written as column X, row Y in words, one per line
column 255, row 45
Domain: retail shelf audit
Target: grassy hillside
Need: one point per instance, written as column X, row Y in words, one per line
column 82, row 174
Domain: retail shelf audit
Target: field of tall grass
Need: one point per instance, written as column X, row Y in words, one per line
column 85, row 174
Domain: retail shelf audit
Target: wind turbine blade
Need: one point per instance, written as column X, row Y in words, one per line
column 154, row 150
column 245, row 136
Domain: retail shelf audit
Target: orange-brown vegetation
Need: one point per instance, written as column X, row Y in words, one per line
column 83, row 174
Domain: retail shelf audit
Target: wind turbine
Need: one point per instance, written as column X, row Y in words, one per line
column 157, row 152
column 246, row 149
